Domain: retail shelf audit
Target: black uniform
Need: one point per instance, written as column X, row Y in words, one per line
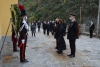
column 23, row 36
column 72, row 36
column 59, row 30
column 44, row 27
column 91, row 30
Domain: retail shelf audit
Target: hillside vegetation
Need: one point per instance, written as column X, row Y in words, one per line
column 51, row 9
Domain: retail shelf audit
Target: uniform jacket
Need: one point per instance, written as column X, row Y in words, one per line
column 92, row 27
column 72, row 31
column 23, row 32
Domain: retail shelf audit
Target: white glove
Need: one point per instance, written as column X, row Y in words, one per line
column 23, row 41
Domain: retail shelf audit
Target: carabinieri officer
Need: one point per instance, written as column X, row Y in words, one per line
column 23, row 37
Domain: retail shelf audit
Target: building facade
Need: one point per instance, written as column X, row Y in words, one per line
column 5, row 16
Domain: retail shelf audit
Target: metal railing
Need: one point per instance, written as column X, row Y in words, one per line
column 85, row 29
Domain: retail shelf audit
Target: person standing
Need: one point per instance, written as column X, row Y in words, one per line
column 64, row 24
column 54, row 23
column 33, row 28
column 44, row 27
column 39, row 25
column 23, row 38
column 59, row 30
column 14, row 39
column 72, row 35
column 92, row 26
column 35, row 23
column 48, row 28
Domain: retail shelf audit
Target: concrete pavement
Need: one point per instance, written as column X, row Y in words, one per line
column 41, row 53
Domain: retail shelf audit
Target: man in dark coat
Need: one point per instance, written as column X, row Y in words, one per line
column 23, row 38
column 39, row 25
column 72, row 35
column 44, row 27
column 92, row 26
column 59, row 30
column 48, row 28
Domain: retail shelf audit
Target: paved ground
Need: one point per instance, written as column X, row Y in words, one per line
column 41, row 53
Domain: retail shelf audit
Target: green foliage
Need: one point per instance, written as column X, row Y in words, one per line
column 18, row 18
column 51, row 9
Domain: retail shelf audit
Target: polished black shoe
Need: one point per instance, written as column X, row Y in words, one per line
column 25, row 61
column 16, row 51
column 71, row 56
column 59, row 52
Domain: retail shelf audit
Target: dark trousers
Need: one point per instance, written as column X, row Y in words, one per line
column 38, row 29
column 22, row 50
column 52, row 32
column 72, row 46
column 32, row 33
column 47, row 32
column 44, row 31
column 91, row 33
column 15, row 45
column 14, row 40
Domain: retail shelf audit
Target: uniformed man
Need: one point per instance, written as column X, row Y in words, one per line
column 72, row 35
column 23, row 38
column 14, row 39
column 91, row 29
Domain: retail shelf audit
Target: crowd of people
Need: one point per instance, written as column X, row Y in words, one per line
column 57, row 29
column 47, row 26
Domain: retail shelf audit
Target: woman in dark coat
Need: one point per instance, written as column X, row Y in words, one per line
column 59, row 33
